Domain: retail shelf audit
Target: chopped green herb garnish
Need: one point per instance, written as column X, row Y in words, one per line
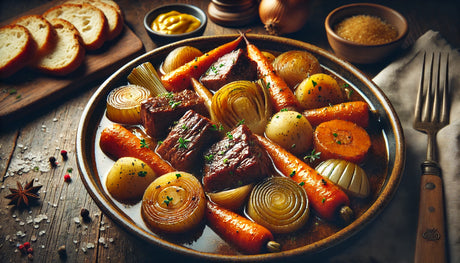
column 144, row 144
column 183, row 142
column 178, row 175
column 168, row 200
column 142, row 173
column 302, row 183
column 292, row 173
column 313, row 156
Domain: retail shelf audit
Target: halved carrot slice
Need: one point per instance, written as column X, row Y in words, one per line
column 339, row 139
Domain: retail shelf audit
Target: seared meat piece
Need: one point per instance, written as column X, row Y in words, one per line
column 187, row 141
column 230, row 67
column 159, row 113
column 234, row 161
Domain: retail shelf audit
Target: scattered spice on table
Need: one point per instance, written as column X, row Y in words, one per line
column 24, row 195
column 366, row 29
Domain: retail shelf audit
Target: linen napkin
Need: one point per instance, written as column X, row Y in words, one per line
column 399, row 81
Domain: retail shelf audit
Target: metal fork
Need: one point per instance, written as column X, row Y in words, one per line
column 431, row 114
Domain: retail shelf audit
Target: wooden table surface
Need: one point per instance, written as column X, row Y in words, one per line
column 26, row 144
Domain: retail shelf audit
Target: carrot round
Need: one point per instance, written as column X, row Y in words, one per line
column 179, row 79
column 117, row 141
column 281, row 95
column 248, row 236
column 339, row 139
column 354, row 111
column 327, row 199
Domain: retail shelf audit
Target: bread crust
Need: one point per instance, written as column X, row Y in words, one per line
column 114, row 18
column 58, row 61
column 14, row 60
column 93, row 31
column 41, row 30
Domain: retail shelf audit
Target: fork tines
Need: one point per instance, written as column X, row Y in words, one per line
column 434, row 80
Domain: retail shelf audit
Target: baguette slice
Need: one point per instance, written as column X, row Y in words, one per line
column 113, row 4
column 68, row 53
column 89, row 21
column 114, row 19
column 41, row 31
column 16, row 49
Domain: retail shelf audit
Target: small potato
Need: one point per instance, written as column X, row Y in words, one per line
column 270, row 57
column 128, row 178
column 296, row 65
column 178, row 57
column 291, row 130
column 319, row 90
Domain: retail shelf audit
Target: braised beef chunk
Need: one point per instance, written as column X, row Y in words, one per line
column 234, row 161
column 230, row 67
column 159, row 113
column 186, row 142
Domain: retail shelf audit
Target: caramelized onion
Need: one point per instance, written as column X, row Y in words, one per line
column 173, row 203
column 145, row 75
column 231, row 199
column 241, row 102
column 347, row 175
column 124, row 104
column 279, row 204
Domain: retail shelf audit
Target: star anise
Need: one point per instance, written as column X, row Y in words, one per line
column 24, row 195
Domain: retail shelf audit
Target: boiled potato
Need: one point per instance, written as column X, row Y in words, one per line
column 128, row 178
column 291, row 130
column 296, row 65
column 178, row 57
column 319, row 90
column 270, row 57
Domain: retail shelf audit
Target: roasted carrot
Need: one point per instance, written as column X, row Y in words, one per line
column 179, row 79
column 327, row 199
column 281, row 95
column 117, row 141
column 354, row 111
column 341, row 139
column 248, row 236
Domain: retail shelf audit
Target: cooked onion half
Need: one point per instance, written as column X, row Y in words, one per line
column 124, row 104
column 241, row 102
column 173, row 203
column 233, row 198
column 347, row 175
column 279, row 204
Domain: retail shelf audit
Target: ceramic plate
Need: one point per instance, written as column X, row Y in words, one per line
column 384, row 168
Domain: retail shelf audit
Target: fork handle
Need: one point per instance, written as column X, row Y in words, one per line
column 430, row 242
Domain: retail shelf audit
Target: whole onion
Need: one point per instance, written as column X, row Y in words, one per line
column 279, row 204
column 283, row 16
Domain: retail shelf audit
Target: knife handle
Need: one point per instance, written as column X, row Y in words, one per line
column 430, row 244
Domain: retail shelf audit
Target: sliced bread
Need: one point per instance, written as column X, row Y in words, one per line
column 89, row 21
column 68, row 53
column 16, row 49
column 41, row 30
column 114, row 19
column 113, row 4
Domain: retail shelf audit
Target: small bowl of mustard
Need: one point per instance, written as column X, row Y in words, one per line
column 365, row 33
column 169, row 23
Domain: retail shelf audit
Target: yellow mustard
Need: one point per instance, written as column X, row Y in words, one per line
column 175, row 23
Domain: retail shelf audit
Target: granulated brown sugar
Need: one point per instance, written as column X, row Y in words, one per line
column 366, row 29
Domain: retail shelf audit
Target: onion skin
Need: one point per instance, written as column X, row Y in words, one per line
column 173, row 203
column 283, row 16
column 178, row 57
column 279, row 204
column 124, row 104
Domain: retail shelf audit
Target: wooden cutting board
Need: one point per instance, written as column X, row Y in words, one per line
column 28, row 90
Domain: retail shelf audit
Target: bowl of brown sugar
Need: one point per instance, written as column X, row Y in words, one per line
column 365, row 33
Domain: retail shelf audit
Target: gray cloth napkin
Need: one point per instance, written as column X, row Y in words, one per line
column 399, row 81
